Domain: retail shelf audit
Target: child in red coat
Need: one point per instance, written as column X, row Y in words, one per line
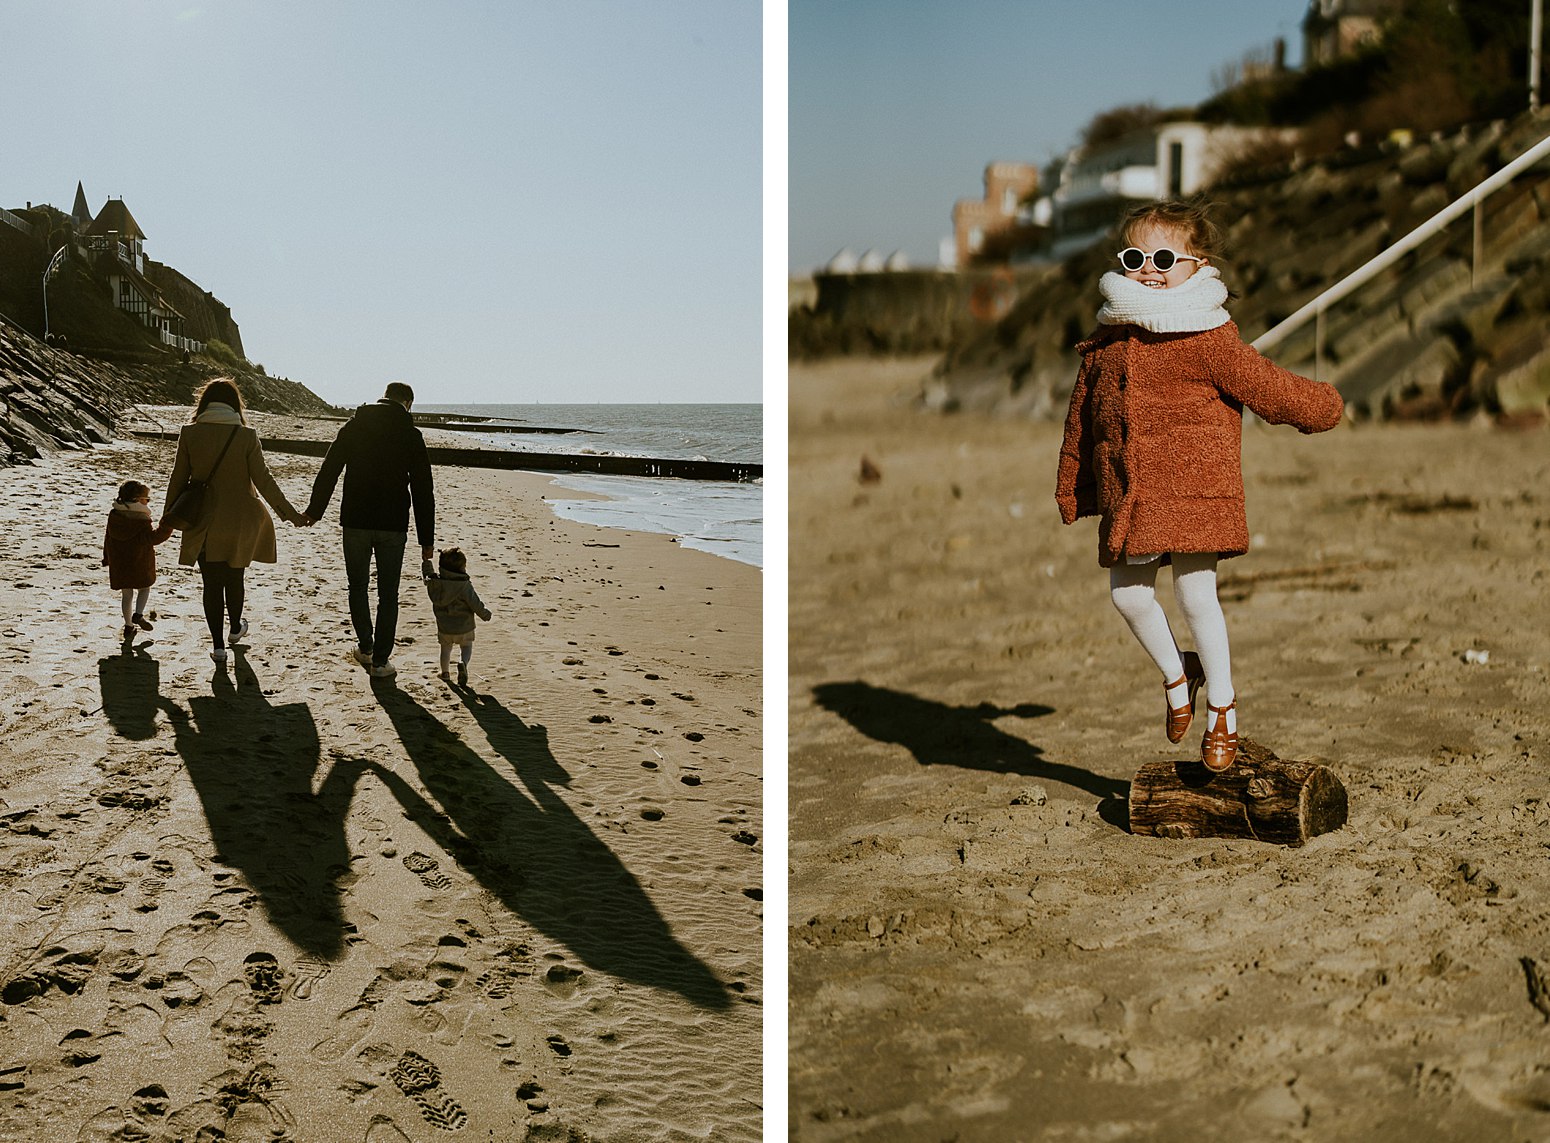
column 129, row 551
column 1152, row 448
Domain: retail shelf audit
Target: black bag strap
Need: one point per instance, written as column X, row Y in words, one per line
column 222, row 455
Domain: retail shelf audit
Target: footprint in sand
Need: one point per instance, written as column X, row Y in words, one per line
column 354, row 1026
column 420, row 1080
column 428, row 871
column 309, row 970
column 264, row 975
column 384, row 1130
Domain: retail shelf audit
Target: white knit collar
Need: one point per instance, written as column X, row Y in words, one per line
column 132, row 508
column 219, row 413
column 1193, row 305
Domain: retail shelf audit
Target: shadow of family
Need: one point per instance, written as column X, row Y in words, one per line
column 253, row 764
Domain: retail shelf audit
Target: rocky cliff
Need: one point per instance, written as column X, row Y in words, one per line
column 51, row 399
column 1430, row 338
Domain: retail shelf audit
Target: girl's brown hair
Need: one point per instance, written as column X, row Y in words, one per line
column 222, row 389
column 130, row 491
column 1190, row 217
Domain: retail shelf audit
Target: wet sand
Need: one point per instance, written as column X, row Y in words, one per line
column 285, row 901
column 981, row 950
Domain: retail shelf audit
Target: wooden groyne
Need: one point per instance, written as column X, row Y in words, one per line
column 731, row 471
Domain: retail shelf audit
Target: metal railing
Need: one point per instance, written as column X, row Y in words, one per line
column 1469, row 200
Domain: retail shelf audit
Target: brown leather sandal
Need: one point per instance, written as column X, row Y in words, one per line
column 1219, row 748
column 1178, row 720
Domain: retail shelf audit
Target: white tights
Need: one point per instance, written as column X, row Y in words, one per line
column 467, row 650
column 134, row 601
column 1133, row 587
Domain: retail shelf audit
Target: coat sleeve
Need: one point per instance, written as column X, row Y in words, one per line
column 480, row 609
column 1075, row 486
column 1277, row 395
column 161, row 532
column 258, row 473
column 328, row 474
column 422, row 491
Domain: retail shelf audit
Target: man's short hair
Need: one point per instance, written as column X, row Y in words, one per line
column 398, row 391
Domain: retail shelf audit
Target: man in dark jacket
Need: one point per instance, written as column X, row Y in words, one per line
column 382, row 456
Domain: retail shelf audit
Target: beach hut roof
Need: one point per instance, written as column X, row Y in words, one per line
column 843, row 263
column 115, row 216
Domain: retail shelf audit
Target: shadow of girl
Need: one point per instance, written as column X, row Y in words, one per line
column 131, row 692
column 938, row 734
column 535, row 855
column 252, row 765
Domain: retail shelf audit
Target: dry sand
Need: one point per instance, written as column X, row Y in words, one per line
column 979, row 948
column 284, row 901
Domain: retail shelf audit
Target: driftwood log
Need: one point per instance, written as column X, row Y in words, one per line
column 1261, row 797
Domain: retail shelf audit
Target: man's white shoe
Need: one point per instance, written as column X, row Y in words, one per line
column 218, row 656
column 384, row 671
column 361, row 657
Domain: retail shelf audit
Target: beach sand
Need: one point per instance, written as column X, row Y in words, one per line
column 980, row 950
column 284, row 901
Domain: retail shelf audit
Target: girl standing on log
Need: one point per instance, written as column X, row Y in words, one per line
column 1152, row 448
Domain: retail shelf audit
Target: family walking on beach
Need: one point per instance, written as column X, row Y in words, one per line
column 1152, row 448
column 213, row 496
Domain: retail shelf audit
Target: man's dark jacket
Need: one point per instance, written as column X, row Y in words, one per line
column 383, row 459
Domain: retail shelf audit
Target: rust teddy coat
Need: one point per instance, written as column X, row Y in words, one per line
column 128, row 549
column 1154, row 431
column 233, row 527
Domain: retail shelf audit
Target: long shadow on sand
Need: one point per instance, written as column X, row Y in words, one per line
column 533, row 853
column 252, row 764
column 130, row 683
column 941, row 735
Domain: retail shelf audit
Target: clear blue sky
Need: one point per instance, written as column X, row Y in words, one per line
column 896, row 106
column 494, row 200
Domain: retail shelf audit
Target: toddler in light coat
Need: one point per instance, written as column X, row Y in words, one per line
column 455, row 603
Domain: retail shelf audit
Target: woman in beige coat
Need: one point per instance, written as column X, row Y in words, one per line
column 233, row 528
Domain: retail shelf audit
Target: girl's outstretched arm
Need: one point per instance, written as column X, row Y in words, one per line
column 1277, row 395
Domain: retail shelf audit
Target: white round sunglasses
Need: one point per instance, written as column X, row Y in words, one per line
column 1133, row 258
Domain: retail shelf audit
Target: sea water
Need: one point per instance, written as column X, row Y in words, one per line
column 714, row 516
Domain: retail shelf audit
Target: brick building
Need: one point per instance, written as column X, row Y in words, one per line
column 985, row 230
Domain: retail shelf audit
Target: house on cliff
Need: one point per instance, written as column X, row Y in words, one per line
column 1333, row 29
column 116, row 246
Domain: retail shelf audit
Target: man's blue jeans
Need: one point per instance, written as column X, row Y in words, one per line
column 361, row 546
